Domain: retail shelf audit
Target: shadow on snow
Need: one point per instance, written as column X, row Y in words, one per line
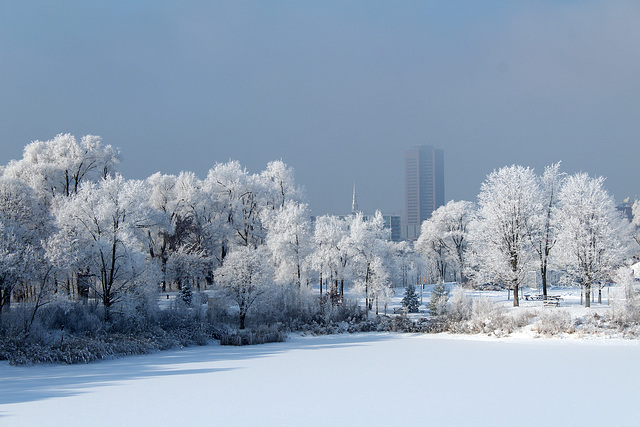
column 31, row 383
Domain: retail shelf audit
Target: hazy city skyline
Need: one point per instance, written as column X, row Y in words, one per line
column 337, row 90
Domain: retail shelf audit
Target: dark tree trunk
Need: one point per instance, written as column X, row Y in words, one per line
column 516, row 296
column 366, row 289
column 6, row 299
column 587, row 295
column 223, row 253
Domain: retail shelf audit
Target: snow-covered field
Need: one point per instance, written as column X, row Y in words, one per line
column 362, row 379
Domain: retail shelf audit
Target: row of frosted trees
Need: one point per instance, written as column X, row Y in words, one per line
column 71, row 227
column 526, row 223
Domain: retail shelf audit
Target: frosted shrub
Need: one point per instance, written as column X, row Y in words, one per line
column 262, row 335
column 554, row 322
column 397, row 324
column 594, row 324
column 624, row 318
column 459, row 306
column 520, row 319
column 490, row 318
column 485, row 316
column 12, row 322
column 631, row 314
column 439, row 299
column 73, row 317
column 624, row 313
column 346, row 311
column 625, row 307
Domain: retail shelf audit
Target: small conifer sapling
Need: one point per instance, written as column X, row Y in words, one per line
column 410, row 300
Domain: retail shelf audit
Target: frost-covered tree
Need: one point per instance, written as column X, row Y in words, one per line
column 455, row 218
column 239, row 200
column 444, row 238
column 636, row 220
column 199, row 216
column 279, row 183
column 210, row 217
column 60, row 165
column 368, row 258
column 433, row 248
column 244, row 277
column 544, row 230
column 501, row 246
column 404, row 262
column 329, row 257
column 200, row 231
column 102, row 234
column 24, row 224
column 593, row 238
column 187, row 268
column 170, row 233
column 380, row 279
column 289, row 241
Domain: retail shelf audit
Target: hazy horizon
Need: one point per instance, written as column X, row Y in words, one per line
column 339, row 91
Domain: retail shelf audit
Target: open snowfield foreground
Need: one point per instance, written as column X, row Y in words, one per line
column 362, row 379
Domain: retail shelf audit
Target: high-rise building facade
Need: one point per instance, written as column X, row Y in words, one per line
column 392, row 227
column 424, row 186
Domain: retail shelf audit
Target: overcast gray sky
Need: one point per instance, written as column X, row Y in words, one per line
column 337, row 89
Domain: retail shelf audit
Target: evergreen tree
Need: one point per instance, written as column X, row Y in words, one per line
column 438, row 301
column 410, row 300
column 186, row 293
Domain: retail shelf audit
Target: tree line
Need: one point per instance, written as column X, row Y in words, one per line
column 73, row 228
column 529, row 224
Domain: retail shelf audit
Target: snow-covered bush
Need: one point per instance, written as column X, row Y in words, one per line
column 459, row 306
column 554, row 322
column 288, row 303
column 438, row 301
column 261, row 335
column 73, row 317
column 397, row 324
column 481, row 316
column 594, row 324
column 486, row 317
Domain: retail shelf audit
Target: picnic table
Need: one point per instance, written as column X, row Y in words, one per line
column 550, row 300
column 401, row 310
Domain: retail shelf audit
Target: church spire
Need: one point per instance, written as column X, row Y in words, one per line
column 354, row 203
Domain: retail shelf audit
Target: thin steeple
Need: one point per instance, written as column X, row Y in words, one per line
column 354, row 203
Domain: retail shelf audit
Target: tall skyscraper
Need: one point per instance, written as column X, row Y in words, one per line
column 424, row 186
